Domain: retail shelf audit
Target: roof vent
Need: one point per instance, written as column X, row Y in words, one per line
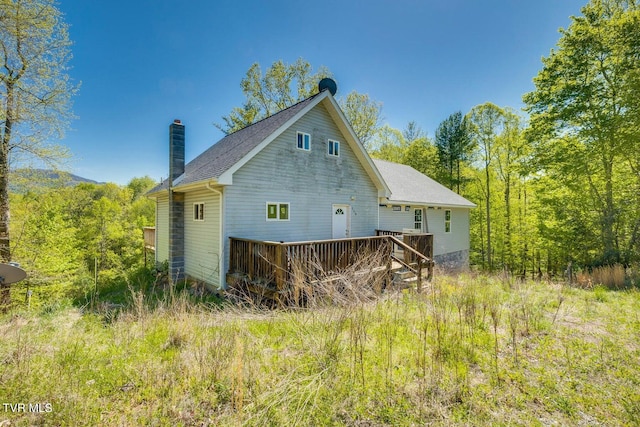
column 329, row 84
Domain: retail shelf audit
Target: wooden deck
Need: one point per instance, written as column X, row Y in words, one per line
column 275, row 267
column 149, row 238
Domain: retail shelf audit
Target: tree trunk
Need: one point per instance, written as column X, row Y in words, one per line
column 488, row 206
column 610, row 255
column 507, row 228
column 5, row 248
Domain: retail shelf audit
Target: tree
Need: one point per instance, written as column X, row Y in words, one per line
column 364, row 115
column 586, row 99
column 485, row 126
column 412, row 132
column 285, row 84
column 281, row 86
column 509, row 158
column 35, row 90
column 454, row 148
column 389, row 144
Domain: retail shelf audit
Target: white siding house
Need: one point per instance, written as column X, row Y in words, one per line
column 419, row 203
column 300, row 174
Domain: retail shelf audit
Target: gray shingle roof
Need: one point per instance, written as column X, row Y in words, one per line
column 409, row 185
column 222, row 155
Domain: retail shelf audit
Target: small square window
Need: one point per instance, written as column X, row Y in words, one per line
column 198, row 211
column 277, row 211
column 334, row 148
column 304, row 141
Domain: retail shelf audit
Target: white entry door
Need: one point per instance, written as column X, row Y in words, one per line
column 341, row 221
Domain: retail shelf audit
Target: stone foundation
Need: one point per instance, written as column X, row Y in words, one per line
column 453, row 260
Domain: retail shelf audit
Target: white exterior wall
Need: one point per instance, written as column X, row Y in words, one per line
column 162, row 229
column 399, row 220
column 457, row 239
column 310, row 181
column 454, row 241
column 202, row 238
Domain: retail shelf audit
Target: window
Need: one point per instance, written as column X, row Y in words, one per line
column 277, row 211
column 198, row 211
column 304, row 141
column 417, row 219
column 334, row 148
column 447, row 221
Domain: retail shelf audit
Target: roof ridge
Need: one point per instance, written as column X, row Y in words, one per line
column 274, row 114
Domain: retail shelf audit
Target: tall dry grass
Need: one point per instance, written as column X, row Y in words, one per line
column 612, row 277
column 469, row 350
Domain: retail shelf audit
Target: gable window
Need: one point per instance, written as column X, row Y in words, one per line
column 277, row 211
column 447, row 221
column 334, row 148
column 304, row 141
column 198, row 211
column 417, row 219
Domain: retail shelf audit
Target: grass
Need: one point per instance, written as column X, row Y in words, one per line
column 469, row 350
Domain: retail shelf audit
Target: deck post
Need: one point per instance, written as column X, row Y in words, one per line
column 280, row 267
column 252, row 259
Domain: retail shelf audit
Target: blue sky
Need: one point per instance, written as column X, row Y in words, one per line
column 143, row 63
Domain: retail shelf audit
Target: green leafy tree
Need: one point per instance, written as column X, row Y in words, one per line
column 363, row 113
column 282, row 85
column 419, row 151
column 454, row 146
column 35, row 90
column 584, row 114
column 486, row 122
column 389, row 144
column 413, row 131
column 510, row 160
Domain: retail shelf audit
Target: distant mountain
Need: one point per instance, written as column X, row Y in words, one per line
column 22, row 180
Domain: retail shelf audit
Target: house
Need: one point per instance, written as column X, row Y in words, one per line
column 420, row 204
column 299, row 175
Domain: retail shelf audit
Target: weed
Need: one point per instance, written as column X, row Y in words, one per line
column 470, row 351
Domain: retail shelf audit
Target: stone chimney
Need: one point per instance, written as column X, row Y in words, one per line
column 176, row 203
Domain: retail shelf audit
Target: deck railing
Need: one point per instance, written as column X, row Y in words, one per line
column 276, row 263
column 421, row 242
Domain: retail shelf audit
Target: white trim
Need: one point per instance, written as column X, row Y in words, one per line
column 415, row 211
column 347, row 213
column 222, row 275
column 227, row 176
column 298, row 133
column 425, row 204
column 193, row 212
column 356, row 145
column 278, row 207
column 340, row 120
column 447, row 221
column 332, row 144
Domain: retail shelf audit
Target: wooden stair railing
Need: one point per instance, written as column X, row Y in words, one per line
column 423, row 261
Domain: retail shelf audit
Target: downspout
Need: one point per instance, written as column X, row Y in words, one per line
column 221, row 255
